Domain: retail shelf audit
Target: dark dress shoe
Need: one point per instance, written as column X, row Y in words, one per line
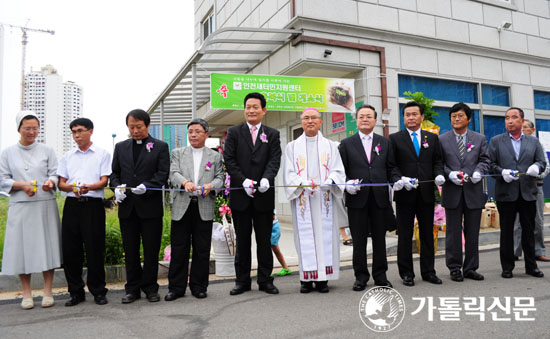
column 306, row 287
column 171, row 296
column 199, row 295
column 359, row 286
column 268, row 288
column 535, row 273
column 322, row 286
column 516, row 258
column 473, row 275
column 542, row 258
column 433, row 279
column 457, row 276
column 383, row 283
column 153, row 297
column 239, row 289
column 130, row 298
column 507, row 274
column 408, row 280
column 75, row 300
column 101, row 299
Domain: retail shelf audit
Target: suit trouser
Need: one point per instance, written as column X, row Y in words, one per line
column 507, row 211
column 189, row 231
column 84, row 225
column 134, row 231
column 539, row 228
column 359, row 220
column 453, row 237
column 406, row 212
column 262, row 222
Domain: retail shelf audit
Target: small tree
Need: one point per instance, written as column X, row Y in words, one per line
column 419, row 97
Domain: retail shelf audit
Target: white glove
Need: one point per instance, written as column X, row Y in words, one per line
column 439, row 180
column 454, row 178
column 311, row 186
column 139, row 190
column 119, row 193
column 249, row 187
column 409, row 183
column 326, row 185
column 351, row 187
column 476, row 177
column 507, row 175
column 398, row 185
column 264, row 185
column 533, row 170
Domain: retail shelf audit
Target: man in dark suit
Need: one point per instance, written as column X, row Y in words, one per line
column 367, row 158
column 253, row 155
column 519, row 158
column 141, row 162
column 465, row 159
column 418, row 157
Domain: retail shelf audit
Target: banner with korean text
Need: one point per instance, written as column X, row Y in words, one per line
column 283, row 93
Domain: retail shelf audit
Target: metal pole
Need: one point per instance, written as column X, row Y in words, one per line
column 193, row 91
column 24, row 43
column 162, row 120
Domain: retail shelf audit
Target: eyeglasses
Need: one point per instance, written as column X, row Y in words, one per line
column 29, row 129
column 79, row 131
column 458, row 116
column 310, row 118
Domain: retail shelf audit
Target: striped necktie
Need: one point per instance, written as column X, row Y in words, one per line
column 461, row 147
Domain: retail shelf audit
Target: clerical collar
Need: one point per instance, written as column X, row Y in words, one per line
column 313, row 138
column 139, row 142
column 197, row 149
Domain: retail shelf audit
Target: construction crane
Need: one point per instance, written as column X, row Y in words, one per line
column 24, row 41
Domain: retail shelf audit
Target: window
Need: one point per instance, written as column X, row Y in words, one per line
column 447, row 92
column 208, row 25
column 439, row 89
column 495, row 95
column 542, row 100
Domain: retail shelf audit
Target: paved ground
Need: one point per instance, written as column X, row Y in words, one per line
column 289, row 314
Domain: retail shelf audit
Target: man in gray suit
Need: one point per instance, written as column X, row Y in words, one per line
column 197, row 169
column 519, row 159
column 465, row 159
column 540, row 251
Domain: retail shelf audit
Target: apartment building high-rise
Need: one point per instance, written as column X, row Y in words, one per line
column 56, row 104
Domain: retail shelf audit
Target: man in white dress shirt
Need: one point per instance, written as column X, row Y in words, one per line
column 83, row 173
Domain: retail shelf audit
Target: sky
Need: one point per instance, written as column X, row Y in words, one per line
column 122, row 53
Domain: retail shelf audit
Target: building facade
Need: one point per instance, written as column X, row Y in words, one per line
column 490, row 54
column 56, row 104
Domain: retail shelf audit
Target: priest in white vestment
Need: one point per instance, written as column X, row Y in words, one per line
column 315, row 178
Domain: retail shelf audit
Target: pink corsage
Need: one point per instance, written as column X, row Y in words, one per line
column 263, row 138
column 149, row 146
column 377, row 149
column 469, row 147
column 208, row 166
column 425, row 143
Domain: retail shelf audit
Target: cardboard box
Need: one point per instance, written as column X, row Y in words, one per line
column 485, row 218
column 495, row 218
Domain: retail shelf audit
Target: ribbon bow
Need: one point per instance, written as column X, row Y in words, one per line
column 224, row 209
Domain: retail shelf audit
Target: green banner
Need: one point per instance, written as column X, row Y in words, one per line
column 283, row 93
column 351, row 123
